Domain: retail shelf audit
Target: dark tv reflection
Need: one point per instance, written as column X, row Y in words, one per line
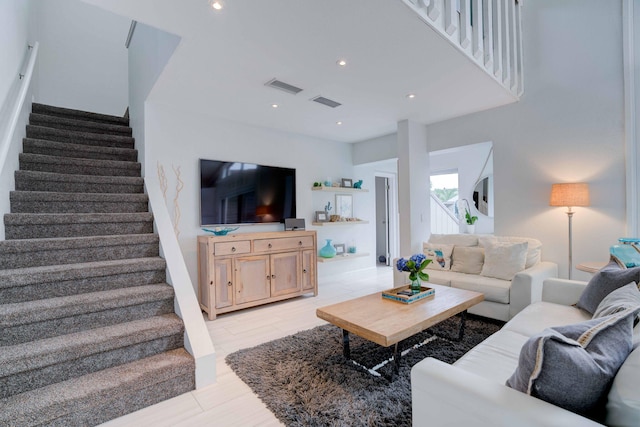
column 245, row 193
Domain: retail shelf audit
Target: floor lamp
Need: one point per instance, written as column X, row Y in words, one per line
column 569, row 195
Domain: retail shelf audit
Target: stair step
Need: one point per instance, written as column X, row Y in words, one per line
column 50, row 202
column 78, row 151
column 73, row 166
column 52, row 281
column 40, row 226
column 36, row 364
column 72, row 137
column 51, row 110
column 25, row 253
column 78, row 125
column 34, row 320
column 59, row 182
column 104, row 395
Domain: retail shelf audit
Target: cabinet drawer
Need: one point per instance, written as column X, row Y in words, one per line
column 264, row 245
column 231, row 248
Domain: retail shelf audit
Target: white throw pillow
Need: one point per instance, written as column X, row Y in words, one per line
column 439, row 254
column 467, row 259
column 534, row 249
column 454, row 239
column 504, row 260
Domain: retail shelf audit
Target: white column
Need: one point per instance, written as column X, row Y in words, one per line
column 413, row 186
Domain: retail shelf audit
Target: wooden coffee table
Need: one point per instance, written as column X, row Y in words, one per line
column 387, row 322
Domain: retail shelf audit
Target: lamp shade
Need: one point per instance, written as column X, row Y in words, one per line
column 569, row 194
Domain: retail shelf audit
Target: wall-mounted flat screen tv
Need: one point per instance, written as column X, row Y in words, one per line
column 245, row 193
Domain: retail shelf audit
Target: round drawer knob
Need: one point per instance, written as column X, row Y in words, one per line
column 270, row 245
column 229, row 284
column 233, row 249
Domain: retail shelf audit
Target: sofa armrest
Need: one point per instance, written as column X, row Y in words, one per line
column 442, row 394
column 562, row 291
column 526, row 286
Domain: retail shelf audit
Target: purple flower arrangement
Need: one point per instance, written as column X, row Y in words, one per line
column 414, row 265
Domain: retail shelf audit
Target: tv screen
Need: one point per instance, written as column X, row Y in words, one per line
column 245, row 193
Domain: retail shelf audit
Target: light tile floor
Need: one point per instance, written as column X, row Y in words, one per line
column 230, row 402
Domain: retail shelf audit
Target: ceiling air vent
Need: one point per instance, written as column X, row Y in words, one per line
column 275, row 83
column 326, row 101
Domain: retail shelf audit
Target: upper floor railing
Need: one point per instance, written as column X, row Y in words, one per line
column 443, row 221
column 487, row 31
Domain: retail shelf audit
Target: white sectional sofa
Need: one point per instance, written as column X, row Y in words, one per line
column 464, row 267
column 472, row 391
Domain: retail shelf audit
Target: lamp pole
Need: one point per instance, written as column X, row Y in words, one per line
column 570, row 216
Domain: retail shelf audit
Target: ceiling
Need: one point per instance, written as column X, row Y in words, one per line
column 226, row 57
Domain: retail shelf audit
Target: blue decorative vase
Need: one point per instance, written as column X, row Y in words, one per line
column 328, row 251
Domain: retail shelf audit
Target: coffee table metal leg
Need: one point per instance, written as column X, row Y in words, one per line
column 463, row 317
column 397, row 354
column 346, row 351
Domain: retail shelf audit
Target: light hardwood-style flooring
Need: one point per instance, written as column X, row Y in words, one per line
column 230, row 402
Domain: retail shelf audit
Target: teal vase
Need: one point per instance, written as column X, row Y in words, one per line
column 328, row 251
column 416, row 286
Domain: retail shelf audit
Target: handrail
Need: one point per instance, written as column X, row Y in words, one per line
column 444, row 208
column 132, row 29
column 15, row 112
column 197, row 339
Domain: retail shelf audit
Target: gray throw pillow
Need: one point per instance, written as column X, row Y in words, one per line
column 619, row 300
column 608, row 279
column 573, row 366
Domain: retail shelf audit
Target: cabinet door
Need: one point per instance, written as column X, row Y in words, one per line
column 224, row 282
column 285, row 270
column 206, row 279
column 252, row 278
column 308, row 270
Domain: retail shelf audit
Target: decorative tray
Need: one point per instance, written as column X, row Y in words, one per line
column 403, row 294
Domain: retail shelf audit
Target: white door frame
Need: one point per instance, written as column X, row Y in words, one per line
column 394, row 242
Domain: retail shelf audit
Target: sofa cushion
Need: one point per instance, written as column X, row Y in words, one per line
column 623, row 400
column 504, row 260
column 621, row 299
column 573, row 366
column 608, row 279
column 542, row 315
column 467, row 259
column 496, row 290
column 439, row 254
column 440, row 277
column 534, row 246
column 455, row 239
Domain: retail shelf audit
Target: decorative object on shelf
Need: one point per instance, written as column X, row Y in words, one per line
column 569, row 195
column 340, row 248
column 322, row 216
column 335, row 218
column 346, row 183
column 344, row 205
column 219, row 231
column 327, row 251
column 406, row 295
column 351, row 248
column 414, row 265
column 327, row 207
column 317, row 184
column 327, row 182
column 358, row 184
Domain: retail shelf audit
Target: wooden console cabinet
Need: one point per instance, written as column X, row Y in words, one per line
column 245, row 270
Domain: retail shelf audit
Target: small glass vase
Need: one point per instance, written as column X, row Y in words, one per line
column 416, row 286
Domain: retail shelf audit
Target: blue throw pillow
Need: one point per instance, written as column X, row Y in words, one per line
column 573, row 366
column 619, row 300
column 608, row 279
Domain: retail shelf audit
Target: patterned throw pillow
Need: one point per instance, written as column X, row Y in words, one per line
column 439, row 254
column 573, row 366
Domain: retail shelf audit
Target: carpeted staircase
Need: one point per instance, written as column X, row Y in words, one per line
column 87, row 325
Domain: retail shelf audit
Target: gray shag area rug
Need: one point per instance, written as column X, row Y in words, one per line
column 305, row 380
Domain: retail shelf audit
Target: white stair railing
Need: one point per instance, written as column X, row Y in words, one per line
column 489, row 32
column 443, row 221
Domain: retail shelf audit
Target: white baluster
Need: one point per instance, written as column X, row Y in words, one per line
column 434, row 9
column 497, row 37
column 465, row 23
column 520, row 53
column 477, row 49
column 487, row 19
column 450, row 17
column 506, row 42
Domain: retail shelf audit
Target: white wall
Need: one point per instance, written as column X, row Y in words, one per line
column 177, row 137
column 83, row 60
column 568, row 127
column 14, row 37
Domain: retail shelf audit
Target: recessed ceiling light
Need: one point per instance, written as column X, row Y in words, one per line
column 338, row 123
column 275, row 105
column 411, row 96
column 217, row 5
column 342, row 63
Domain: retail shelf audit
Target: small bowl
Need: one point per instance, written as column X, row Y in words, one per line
column 221, row 231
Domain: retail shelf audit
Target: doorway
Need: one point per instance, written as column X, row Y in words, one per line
column 386, row 218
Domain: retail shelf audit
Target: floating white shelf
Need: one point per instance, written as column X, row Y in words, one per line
column 340, row 189
column 343, row 257
column 322, row 224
